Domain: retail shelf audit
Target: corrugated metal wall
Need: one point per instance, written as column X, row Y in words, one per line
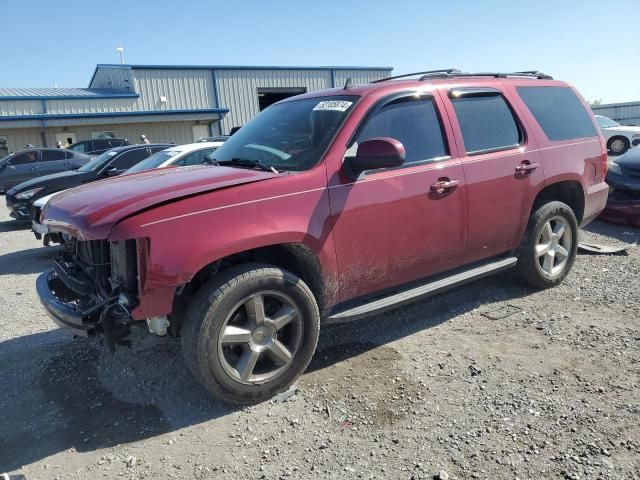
column 624, row 113
column 238, row 89
column 359, row 77
column 183, row 89
column 20, row 107
column 19, row 137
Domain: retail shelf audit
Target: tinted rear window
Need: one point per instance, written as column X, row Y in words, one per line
column 558, row 111
column 487, row 123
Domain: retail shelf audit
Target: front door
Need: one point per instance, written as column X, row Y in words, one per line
column 502, row 168
column 393, row 226
column 54, row 161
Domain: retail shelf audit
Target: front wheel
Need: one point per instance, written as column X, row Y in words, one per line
column 250, row 333
column 618, row 145
column 549, row 247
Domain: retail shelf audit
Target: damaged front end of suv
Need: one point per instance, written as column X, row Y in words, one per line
column 93, row 287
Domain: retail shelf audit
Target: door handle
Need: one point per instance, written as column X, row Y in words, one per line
column 526, row 167
column 444, row 185
column 33, row 169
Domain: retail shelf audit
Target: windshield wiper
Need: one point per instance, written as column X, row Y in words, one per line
column 247, row 162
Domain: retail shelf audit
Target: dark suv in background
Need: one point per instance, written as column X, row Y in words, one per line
column 36, row 162
column 109, row 164
column 98, row 146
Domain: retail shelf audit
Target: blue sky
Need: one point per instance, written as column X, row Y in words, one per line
column 51, row 42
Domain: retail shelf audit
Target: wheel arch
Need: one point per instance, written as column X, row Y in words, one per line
column 570, row 192
column 298, row 258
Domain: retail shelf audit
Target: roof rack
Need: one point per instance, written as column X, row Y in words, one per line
column 427, row 72
column 454, row 73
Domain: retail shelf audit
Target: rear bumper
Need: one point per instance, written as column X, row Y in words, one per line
column 595, row 201
column 62, row 313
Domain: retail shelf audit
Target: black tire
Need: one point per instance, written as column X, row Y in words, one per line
column 207, row 314
column 618, row 145
column 529, row 265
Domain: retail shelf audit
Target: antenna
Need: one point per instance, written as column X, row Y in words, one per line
column 120, row 50
column 348, row 84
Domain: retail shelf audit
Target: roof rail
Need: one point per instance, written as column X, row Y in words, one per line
column 453, row 73
column 528, row 73
column 428, row 72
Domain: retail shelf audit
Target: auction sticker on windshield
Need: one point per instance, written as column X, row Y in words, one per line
column 337, row 105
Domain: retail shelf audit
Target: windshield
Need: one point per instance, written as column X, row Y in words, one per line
column 4, row 159
column 97, row 162
column 287, row 136
column 606, row 122
column 154, row 161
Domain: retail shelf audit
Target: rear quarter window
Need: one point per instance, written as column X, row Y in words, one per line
column 558, row 111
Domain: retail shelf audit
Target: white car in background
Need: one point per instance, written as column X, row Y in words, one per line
column 619, row 137
column 178, row 156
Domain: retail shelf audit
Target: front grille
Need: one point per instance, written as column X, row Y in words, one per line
column 85, row 265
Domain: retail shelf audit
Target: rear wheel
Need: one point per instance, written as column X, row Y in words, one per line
column 549, row 247
column 618, row 145
column 250, row 333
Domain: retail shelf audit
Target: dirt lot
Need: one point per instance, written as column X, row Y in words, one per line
column 492, row 380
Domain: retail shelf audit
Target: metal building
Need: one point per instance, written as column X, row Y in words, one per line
column 624, row 113
column 167, row 103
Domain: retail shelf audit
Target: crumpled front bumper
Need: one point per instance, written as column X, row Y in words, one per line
column 64, row 314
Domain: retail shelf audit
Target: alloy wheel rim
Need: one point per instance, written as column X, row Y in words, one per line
column 554, row 246
column 260, row 337
column 617, row 146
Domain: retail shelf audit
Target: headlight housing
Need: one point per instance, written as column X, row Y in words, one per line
column 27, row 194
column 614, row 168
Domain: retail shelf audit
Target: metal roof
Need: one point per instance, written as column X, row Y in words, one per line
column 234, row 67
column 62, row 93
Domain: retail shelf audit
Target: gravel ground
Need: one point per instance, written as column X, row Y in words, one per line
column 491, row 380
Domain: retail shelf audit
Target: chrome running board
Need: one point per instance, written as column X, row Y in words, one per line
column 414, row 293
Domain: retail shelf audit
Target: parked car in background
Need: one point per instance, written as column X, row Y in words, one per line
column 619, row 138
column 623, row 177
column 36, row 162
column 217, row 138
column 109, row 164
column 98, row 146
column 177, row 156
column 331, row 204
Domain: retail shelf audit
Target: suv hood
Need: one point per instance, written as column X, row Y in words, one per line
column 90, row 211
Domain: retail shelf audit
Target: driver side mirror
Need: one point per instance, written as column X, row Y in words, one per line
column 111, row 172
column 380, row 152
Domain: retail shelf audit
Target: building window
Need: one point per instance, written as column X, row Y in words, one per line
column 269, row 96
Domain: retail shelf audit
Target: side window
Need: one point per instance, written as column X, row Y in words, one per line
column 487, row 123
column 195, row 158
column 24, row 158
column 101, row 145
column 68, row 154
column 558, row 111
column 414, row 122
column 129, row 159
column 81, row 147
column 53, row 155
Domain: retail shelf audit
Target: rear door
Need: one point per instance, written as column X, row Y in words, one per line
column 23, row 166
column 502, row 168
column 53, row 161
column 393, row 226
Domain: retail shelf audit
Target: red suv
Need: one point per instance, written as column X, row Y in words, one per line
column 330, row 204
